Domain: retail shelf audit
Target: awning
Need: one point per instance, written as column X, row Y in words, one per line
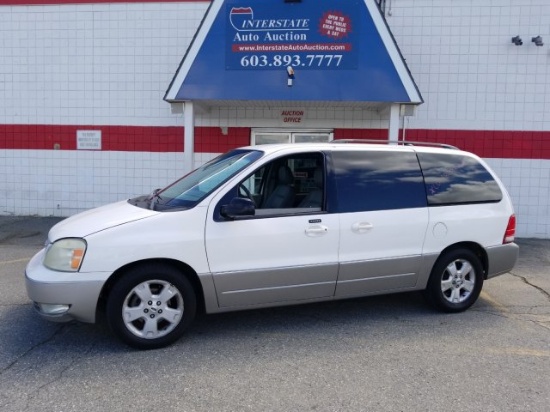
column 308, row 52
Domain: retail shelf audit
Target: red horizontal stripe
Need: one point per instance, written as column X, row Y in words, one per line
column 114, row 138
column 53, row 2
column 501, row 144
column 122, row 138
column 484, row 143
column 498, row 144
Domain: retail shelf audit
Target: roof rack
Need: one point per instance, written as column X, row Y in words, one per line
column 400, row 142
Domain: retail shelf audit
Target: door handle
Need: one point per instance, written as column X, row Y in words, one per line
column 316, row 230
column 361, row 227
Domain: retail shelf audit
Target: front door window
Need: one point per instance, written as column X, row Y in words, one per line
column 291, row 184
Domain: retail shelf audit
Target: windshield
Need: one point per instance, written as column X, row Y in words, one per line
column 188, row 191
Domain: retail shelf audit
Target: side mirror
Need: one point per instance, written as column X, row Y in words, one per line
column 237, row 207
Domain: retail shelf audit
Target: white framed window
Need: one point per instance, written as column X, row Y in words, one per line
column 263, row 136
column 270, row 137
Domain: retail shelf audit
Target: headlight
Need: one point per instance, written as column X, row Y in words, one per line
column 65, row 255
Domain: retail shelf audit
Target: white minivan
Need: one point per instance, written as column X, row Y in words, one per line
column 278, row 225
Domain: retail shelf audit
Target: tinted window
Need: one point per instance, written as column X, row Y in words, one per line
column 378, row 181
column 455, row 179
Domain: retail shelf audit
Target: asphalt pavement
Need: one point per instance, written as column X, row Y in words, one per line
column 384, row 353
column 25, row 230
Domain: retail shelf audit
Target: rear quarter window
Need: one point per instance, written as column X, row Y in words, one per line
column 453, row 179
column 368, row 181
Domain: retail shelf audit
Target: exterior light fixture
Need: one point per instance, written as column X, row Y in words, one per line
column 517, row 40
column 290, row 72
column 537, row 40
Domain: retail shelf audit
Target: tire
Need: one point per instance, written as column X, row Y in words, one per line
column 151, row 306
column 456, row 281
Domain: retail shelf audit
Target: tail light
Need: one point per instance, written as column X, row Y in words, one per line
column 510, row 233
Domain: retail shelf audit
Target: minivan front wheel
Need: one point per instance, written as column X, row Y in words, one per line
column 151, row 306
column 456, row 281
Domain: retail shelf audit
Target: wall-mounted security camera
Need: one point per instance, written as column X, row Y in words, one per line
column 517, row 40
column 537, row 40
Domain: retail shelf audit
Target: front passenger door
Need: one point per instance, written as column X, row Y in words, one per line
column 284, row 253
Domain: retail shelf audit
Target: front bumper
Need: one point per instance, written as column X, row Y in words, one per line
column 61, row 296
column 502, row 259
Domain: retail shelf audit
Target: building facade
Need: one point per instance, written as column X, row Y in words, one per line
column 84, row 120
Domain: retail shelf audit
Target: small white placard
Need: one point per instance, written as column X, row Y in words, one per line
column 88, row 139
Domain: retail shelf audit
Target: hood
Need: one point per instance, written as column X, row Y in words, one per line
column 98, row 219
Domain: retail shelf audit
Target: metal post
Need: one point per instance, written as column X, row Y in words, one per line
column 393, row 132
column 188, row 137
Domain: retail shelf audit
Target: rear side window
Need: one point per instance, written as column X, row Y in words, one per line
column 453, row 179
column 368, row 181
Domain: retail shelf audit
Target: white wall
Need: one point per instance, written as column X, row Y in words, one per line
column 62, row 183
column 107, row 64
column 470, row 74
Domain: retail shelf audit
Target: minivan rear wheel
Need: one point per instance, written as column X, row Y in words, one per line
column 456, row 281
column 151, row 306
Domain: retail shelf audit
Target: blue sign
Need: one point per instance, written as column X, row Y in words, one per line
column 313, row 50
column 268, row 36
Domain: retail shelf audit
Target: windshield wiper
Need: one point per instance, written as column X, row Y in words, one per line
column 154, row 198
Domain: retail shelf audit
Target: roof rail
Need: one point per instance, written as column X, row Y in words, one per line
column 400, row 142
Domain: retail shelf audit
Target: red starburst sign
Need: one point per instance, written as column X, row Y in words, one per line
column 335, row 24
